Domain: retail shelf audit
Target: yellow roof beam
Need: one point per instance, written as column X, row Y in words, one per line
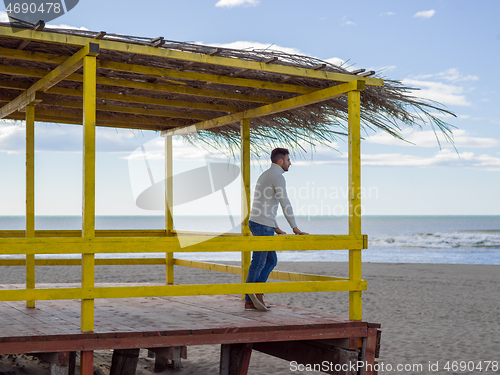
column 129, row 110
column 24, row 55
column 204, row 77
column 165, row 102
column 30, row 72
column 74, row 121
column 67, row 117
column 284, row 105
column 127, row 98
column 44, row 36
column 161, row 72
column 71, row 64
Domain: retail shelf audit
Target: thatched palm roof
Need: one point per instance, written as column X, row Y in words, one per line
column 163, row 89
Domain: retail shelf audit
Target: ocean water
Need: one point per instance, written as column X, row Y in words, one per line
column 392, row 239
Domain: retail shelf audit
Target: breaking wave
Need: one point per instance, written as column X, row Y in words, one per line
column 445, row 240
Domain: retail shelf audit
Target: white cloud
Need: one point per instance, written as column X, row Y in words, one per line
column 347, row 22
column 401, row 160
column 236, row 3
column 452, row 92
column 345, row 64
column 386, row 68
column 427, row 138
column 12, row 137
column 444, row 158
column 388, row 14
column 4, row 17
column 121, row 140
column 63, row 26
column 68, row 138
column 463, row 139
column 256, row 46
column 452, row 75
column 437, row 91
column 425, row 14
column 336, row 61
column 155, row 150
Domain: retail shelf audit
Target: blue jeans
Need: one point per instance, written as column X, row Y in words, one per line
column 263, row 262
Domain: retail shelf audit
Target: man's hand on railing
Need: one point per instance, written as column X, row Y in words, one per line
column 279, row 231
column 298, row 231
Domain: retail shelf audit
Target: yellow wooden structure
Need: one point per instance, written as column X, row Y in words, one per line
column 88, row 242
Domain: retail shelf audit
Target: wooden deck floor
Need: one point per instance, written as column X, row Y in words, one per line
column 161, row 322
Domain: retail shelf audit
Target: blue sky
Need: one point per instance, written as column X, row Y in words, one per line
column 449, row 49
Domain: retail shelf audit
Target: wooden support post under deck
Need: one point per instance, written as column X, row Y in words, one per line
column 355, row 298
column 169, row 199
column 161, row 363
column 61, row 363
column 87, row 363
column 30, row 197
column 235, row 359
column 124, row 362
column 245, row 193
column 89, row 118
column 163, row 355
column 369, row 352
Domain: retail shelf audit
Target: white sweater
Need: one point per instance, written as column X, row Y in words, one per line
column 271, row 189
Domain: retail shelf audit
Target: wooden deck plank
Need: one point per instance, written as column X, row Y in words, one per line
column 48, row 320
column 192, row 317
column 127, row 314
column 292, row 316
column 160, row 322
column 218, row 302
column 30, row 326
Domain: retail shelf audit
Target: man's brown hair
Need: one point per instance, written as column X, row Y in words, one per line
column 278, row 153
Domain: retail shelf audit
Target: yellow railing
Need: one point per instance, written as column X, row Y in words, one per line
column 45, row 242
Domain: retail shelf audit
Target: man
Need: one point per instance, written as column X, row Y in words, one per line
column 270, row 189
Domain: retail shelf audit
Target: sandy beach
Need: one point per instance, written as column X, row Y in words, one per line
column 429, row 313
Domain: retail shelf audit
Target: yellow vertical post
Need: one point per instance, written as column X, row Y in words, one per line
column 169, row 199
column 355, row 298
column 89, row 117
column 30, row 197
column 245, row 193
